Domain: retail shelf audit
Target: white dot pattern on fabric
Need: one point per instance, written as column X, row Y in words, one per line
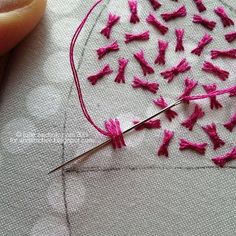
column 50, row 226
column 61, row 7
column 44, row 101
column 75, row 194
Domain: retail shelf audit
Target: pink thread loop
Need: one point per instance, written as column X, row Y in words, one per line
column 213, row 100
column 161, row 103
column 106, row 70
column 114, row 133
column 147, row 69
column 179, row 36
column 204, row 22
column 223, row 53
column 197, row 147
column 230, row 125
column 151, row 124
column 200, row 6
column 221, row 161
column 194, row 117
column 112, row 20
column 107, row 49
column 211, row 131
column 144, row 36
column 180, row 12
column 163, row 150
column 155, row 4
column 230, row 37
column 202, row 44
column 120, row 78
column 133, row 6
column 151, row 19
column 151, row 87
column 161, row 58
column 190, row 85
column 171, row 73
column 215, row 70
column 220, row 11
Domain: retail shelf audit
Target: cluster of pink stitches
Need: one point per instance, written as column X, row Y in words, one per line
column 112, row 126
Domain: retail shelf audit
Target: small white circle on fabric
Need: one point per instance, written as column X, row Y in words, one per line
column 18, row 135
column 75, row 194
column 50, row 226
column 61, row 7
column 44, row 101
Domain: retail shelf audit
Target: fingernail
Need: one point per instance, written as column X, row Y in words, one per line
column 11, row 5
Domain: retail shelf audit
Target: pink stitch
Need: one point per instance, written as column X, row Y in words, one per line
column 151, row 124
column 179, row 36
column 189, row 87
column 209, row 89
column 215, row 70
column 137, row 37
column 163, row 150
column 197, row 147
column 147, row 69
column 230, row 125
column 230, row 37
column 227, row 53
column 161, row 58
column 138, row 83
column 204, row 22
column 155, row 4
column 180, row 12
column 202, row 44
column 112, row 20
column 182, row 67
column 232, row 93
column 170, row 114
column 220, row 11
column 107, row 49
column 195, row 116
column 151, row 19
column 200, row 6
column 120, row 78
column 114, row 132
column 221, row 161
column 93, row 79
column 214, row 137
column 133, row 6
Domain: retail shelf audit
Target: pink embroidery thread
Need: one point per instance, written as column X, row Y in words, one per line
column 151, row 87
column 230, row 37
column 204, row 22
column 152, row 124
column 155, row 4
column 202, row 44
column 180, row 12
column 161, row 103
column 171, row 73
column 144, row 36
column 221, row 161
column 107, row 49
column 195, row 116
column 230, row 125
column 179, row 36
column 163, row 150
column 197, row 147
column 157, row 24
column 220, row 11
column 120, row 78
column 93, row 79
column 112, row 20
column 225, row 54
column 190, row 85
column 162, row 45
column 200, row 6
column 215, row 70
column 213, row 101
column 133, row 6
column 147, row 69
column 211, row 131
